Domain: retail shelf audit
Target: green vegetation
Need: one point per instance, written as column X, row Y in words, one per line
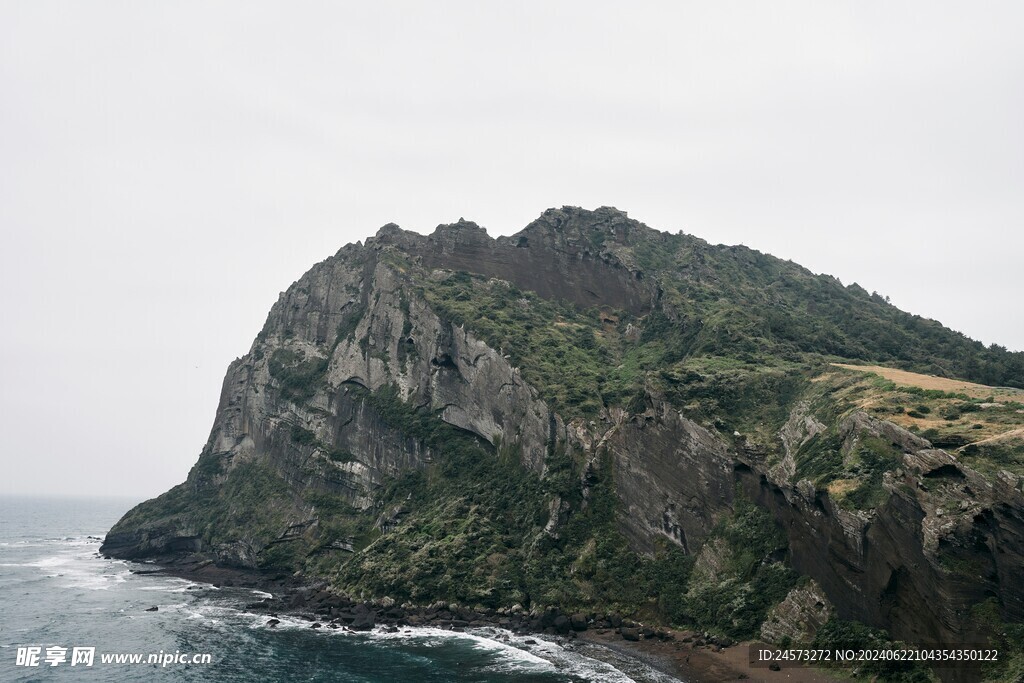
column 303, row 436
column 745, row 579
column 873, row 458
column 307, row 439
column 298, row 376
column 554, row 344
column 821, row 458
column 742, row 301
column 993, row 456
column 1007, row 637
column 250, row 508
column 583, row 360
column 837, row 634
column 473, row 532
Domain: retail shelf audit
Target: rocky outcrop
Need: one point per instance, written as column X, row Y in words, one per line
column 305, row 404
column 859, row 425
column 153, row 541
column 799, row 616
column 944, row 540
column 673, row 476
column 564, row 254
column 296, row 403
column 798, row 430
column 355, row 316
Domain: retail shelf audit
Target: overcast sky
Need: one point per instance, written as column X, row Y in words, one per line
column 166, row 168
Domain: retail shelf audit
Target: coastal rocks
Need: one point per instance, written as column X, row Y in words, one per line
column 364, row 622
column 166, row 539
column 632, row 634
column 325, row 609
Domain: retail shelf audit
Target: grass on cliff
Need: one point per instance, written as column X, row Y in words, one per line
column 554, row 345
column 986, row 433
column 250, row 507
column 740, row 574
column 581, row 361
column 471, row 530
column 1007, row 637
column 837, row 634
column 722, row 368
column 735, row 300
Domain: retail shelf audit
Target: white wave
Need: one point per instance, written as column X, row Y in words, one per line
column 593, row 659
column 47, row 562
column 481, row 640
column 284, row 621
column 512, row 653
column 166, row 584
column 560, row 658
column 90, row 582
column 76, row 567
column 263, row 594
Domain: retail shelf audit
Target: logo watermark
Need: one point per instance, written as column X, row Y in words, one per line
column 55, row 655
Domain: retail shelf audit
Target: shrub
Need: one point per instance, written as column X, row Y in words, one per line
column 299, row 377
column 851, row 635
column 302, row 436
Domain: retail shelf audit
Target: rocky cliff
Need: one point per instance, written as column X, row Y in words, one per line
column 610, row 409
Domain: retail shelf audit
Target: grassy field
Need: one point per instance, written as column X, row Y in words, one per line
column 951, row 386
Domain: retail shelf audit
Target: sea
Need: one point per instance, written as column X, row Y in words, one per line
column 68, row 614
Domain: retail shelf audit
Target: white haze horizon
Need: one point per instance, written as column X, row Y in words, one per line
column 167, row 169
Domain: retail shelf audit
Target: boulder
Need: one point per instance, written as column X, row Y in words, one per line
column 630, row 633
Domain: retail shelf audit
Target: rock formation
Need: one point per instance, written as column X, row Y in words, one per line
column 701, row 397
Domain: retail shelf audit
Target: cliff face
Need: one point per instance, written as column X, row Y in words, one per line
column 296, row 403
column 385, row 359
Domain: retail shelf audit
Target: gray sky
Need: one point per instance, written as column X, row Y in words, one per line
column 166, row 168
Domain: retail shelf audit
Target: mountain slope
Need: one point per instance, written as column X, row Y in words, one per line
column 596, row 415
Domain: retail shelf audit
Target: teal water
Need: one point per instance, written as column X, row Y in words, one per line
column 56, row 591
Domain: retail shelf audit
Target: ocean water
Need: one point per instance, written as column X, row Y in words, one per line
column 57, row 592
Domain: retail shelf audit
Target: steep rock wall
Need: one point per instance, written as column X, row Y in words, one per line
column 673, row 476
column 944, row 540
column 555, row 256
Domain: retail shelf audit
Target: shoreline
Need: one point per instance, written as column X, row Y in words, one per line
column 681, row 654
column 706, row 663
